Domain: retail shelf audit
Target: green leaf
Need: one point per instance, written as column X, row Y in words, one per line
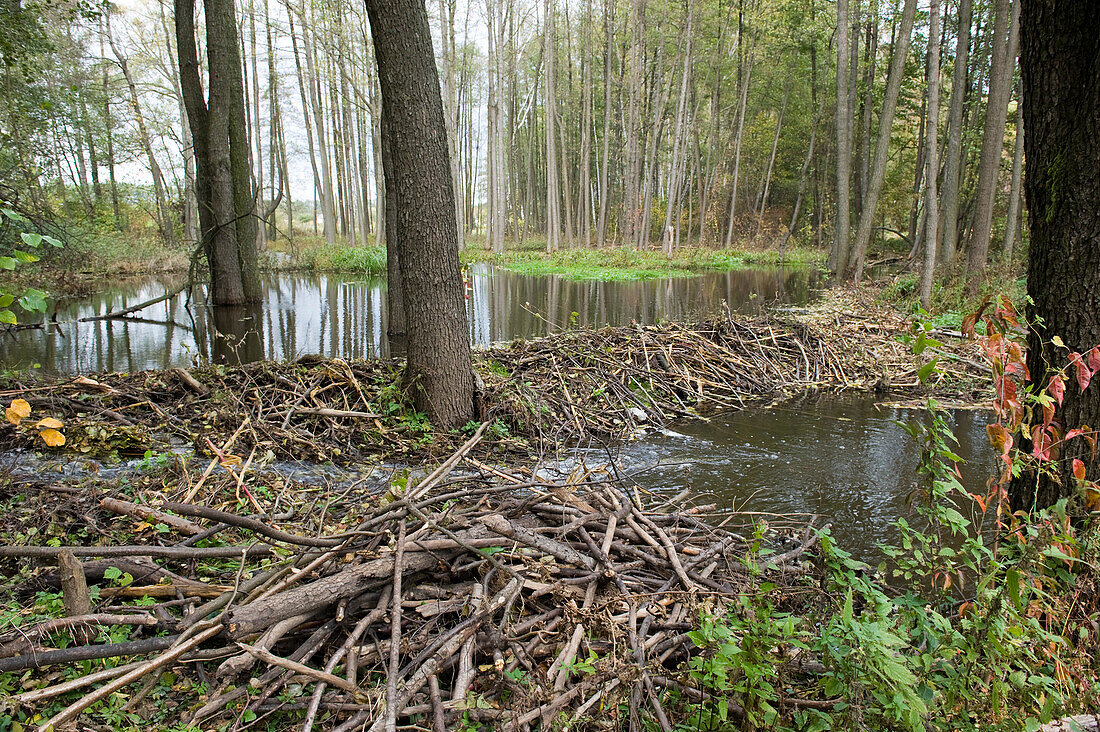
column 112, row 573
column 52, row 242
column 33, row 300
column 1012, row 579
column 24, row 257
column 8, row 263
column 7, row 317
column 927, row 370
column 6, row 300
column 31, row 239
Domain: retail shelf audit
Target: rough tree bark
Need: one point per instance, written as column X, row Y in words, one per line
column 838, row 254
column 1060, row 52
column 931, row 205
column 438, row 371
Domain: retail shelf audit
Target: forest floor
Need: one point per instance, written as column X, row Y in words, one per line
column 528, row 598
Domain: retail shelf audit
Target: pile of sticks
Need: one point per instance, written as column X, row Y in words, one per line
column 574, row 387
column 475, row 593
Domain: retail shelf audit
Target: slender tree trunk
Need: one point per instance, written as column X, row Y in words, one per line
column 802, row 174
column 953, row 164
column 328, row 209
column 438, row 368
column 164, row 217
column 993, row 137
column 605, row 194
column 931, row 205
column 742, row 109
column 672, row 207
column 771, row 160
column 553, row 195
column 882, row 144
column 1013, row 217
column 838, row 259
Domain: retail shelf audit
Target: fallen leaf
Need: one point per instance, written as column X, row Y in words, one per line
column 18, row 411
column 49, row 423
column 52, row 437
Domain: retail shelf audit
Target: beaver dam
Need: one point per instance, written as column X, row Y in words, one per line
column 479, row 586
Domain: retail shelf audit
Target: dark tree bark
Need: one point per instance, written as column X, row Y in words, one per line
column 438, row 371
column 223, row 174
column 1060, row 55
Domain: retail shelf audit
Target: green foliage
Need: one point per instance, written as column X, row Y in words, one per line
column 32, row 300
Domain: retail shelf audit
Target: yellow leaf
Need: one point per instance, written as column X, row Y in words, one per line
column 49, row 423
column 53, row 438
column 18, row 411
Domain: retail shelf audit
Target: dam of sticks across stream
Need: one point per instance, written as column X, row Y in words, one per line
column 840, row 457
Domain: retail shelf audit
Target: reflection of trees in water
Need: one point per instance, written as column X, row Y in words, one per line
column 347, row 317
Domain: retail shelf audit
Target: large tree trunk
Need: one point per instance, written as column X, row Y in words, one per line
column 438, row 370
column 993, row 137
column 1060, row 50
column 223, row 172
column 882, row 144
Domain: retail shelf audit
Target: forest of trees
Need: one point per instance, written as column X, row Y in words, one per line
column 641, row 123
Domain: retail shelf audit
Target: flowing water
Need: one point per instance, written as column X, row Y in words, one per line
column 341, row 315
column 844, row 458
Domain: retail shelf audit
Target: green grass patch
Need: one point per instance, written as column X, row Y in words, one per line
column 530, row 258
column 622, row 263
column 320, row 257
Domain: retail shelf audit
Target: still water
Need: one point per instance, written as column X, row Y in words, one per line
column 341, row 315
column 844, row 458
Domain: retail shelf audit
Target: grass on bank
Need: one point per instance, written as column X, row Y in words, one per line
column 530, row 258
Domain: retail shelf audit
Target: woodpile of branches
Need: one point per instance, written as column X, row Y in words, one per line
column 485, row 594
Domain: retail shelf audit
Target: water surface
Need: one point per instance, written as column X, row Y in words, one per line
column 843, row 458
column 344, row 315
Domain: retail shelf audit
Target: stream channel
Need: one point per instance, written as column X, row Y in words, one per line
column 843, row 457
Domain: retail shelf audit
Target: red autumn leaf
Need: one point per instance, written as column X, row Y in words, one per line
column 1084, row 373
column 1078, row 469
column 999, row 437
column 968, row 324
column 1041, row 440
column 1048, row 414
column 1094, row 359
column 980, row 500
column 1057, row 388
